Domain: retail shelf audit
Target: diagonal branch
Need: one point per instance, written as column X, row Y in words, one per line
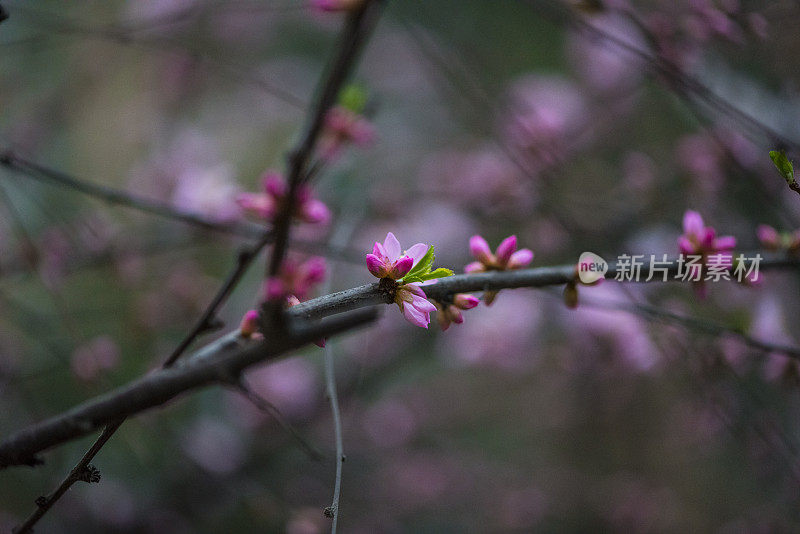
column 354, row 36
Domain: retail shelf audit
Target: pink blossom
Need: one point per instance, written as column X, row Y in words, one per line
column 211, row 192
column 701, row 240
column 95, row 357
column 268, row 204
column 413, row 303
column 451, row 313
column 771, row 239
column 506, row 257
column 296, row 278
column 388, row 261
column 343, row 126
column 248, row 328
column 336, row 5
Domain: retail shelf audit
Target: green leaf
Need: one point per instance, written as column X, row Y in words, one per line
column 423, row 265
column 783, row 164
column 354, row 98
column 441, row 272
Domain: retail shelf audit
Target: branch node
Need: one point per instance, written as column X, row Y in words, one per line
column 89, row 474
column 388, row 288
column 41, row 501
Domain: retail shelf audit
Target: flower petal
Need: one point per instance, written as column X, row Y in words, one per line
column 693, row 223
column 274, row 184
column 505, row 249
column 392, row 247
column 726, row 242
column 401, row 267
column 480, row 249
column 415, row 317
column 474, row 267
column 315, row 211
column 466, row 302
column 417, row 251
column 520, row 258
column 376, row 266
column 422, row 304
column 686, row 246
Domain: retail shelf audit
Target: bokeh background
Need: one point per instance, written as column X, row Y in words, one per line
column 492, row 117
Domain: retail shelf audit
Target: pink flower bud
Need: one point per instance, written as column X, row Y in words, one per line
column 465, row 302
column 505, row 249
column 768, row 236
column 474, row 267
column 315, row 211
column 520, row 258
column 275, row 289
column 336, row 5
column 249, row 324
column 480, row 249
column 274, row 184
column 314, row 270
column 693, row 223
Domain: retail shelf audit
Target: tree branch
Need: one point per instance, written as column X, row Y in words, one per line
column 224, row 359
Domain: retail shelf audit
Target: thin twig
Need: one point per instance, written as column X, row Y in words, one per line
column 342, row 235
column 81, row 472
column 122, row 198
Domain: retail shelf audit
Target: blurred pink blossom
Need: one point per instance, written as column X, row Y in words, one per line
column 292, row 385
column 606, row 67
column 336, row 5
column 546, row 120
column 701, row 240
column 498, row 337
column 210, row 192
column 268, row 204
column 214, row 446
column 94, row 358
column 485, row 179
column 505, row 257
column 771, row 239
column 296, row 278
column 343, row 126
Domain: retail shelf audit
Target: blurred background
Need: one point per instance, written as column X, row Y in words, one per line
column 498, row 118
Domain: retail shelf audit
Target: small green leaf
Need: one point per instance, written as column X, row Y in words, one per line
column 408, row 279
column 783, row 164
column 423, row 265
column 354, row 98
column 441, row 272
